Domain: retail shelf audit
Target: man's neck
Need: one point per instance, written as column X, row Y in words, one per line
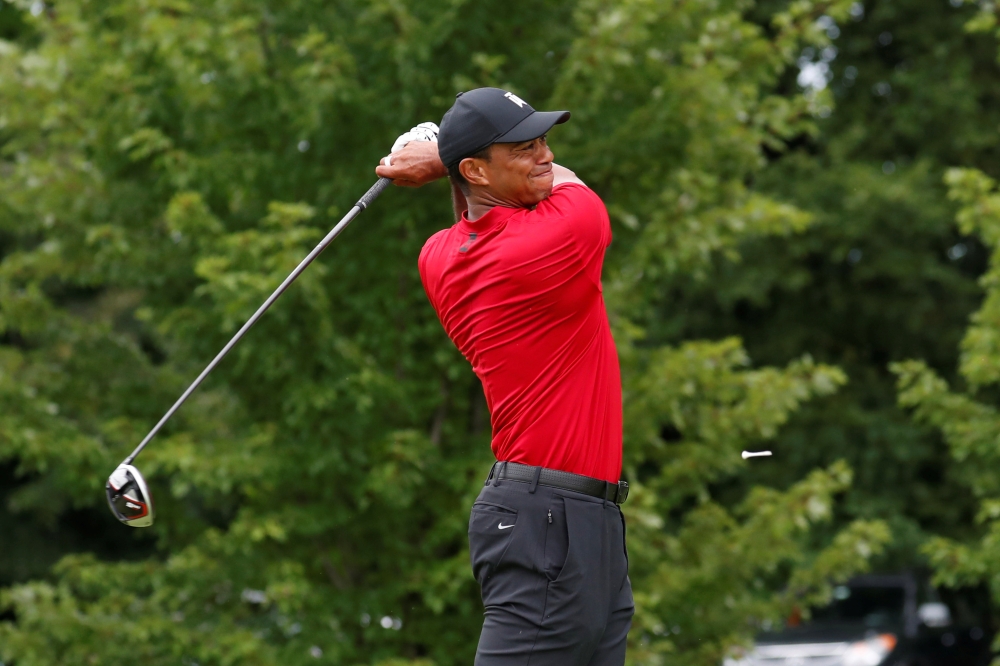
column 481, row 202
column 475, row 204
column 477, row 210
column 458, row 202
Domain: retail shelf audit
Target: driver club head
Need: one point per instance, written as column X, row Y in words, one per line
column 129, row 498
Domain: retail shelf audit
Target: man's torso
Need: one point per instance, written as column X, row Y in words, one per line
column 519, row 293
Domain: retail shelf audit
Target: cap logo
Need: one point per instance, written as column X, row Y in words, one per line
column 514, row 98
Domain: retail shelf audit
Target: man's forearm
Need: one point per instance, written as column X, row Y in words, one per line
column 458, row 201
column 419, row 163
column 416, row 164
column 561, row 174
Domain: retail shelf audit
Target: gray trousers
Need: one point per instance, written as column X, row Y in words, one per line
column 553, row 571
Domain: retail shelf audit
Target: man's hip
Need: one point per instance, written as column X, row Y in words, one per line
column 553, row 570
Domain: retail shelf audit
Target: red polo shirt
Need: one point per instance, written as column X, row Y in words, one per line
column 519, row 293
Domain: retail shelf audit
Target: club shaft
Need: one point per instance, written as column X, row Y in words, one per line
column 362, row 204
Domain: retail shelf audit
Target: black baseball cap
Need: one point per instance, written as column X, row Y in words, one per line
column 485, row 116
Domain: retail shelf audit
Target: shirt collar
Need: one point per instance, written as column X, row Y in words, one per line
column 487, row 222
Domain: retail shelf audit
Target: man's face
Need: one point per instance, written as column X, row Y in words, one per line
column 517, row 174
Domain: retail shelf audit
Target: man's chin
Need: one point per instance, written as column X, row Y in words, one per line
column 539, row 191
column 545, row 189
column 540, row 196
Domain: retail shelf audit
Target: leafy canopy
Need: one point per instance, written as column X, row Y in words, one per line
column 164, row 164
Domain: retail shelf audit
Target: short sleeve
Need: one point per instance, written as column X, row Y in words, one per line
column 583, row 216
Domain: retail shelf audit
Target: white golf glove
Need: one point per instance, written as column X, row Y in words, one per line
column 422, row 132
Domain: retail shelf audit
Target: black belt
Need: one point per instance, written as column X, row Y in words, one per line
column 554, row 478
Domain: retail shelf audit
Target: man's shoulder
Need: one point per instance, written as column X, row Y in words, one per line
column 573, row 194
column 570, row 203
column 573, row 187
column 577, row 211
column 437, row 239
column 433, row 245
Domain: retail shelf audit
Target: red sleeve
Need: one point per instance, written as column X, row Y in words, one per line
column 585, row 218
column 582, row 210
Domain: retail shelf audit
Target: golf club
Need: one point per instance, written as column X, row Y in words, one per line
column 128, row 494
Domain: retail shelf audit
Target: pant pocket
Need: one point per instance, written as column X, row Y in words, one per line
column 576, row 605
column 583, row 543
column 624, row 537
column 556, row 539
column 491, row 528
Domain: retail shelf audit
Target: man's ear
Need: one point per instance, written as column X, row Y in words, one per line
column 473, row 170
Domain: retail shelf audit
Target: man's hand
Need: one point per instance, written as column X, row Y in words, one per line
column 414, row 165
column 414, row 159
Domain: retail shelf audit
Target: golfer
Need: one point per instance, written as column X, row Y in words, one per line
column 516, row 283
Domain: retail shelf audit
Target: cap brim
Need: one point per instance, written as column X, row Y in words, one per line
column 532, row 127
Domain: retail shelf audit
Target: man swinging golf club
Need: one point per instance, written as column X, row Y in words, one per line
column 516, row 283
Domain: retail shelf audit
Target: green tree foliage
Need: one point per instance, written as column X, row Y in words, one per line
column 882, row 274
column 164, row 164
column 967, row 416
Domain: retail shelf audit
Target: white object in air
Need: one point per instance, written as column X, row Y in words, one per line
column 755, row 454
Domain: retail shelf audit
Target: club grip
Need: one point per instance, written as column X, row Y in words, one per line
column 372, row 194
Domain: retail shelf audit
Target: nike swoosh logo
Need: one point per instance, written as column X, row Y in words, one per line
column 503, row 527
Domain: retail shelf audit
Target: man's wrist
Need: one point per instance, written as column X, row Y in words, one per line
column 416, row 164
column 441, row 170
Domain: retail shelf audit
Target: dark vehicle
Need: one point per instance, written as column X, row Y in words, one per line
column 876, row 621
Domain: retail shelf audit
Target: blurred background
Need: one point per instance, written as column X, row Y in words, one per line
column 805, row 260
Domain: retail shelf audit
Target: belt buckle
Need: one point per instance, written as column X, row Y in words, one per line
column 622, row 492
